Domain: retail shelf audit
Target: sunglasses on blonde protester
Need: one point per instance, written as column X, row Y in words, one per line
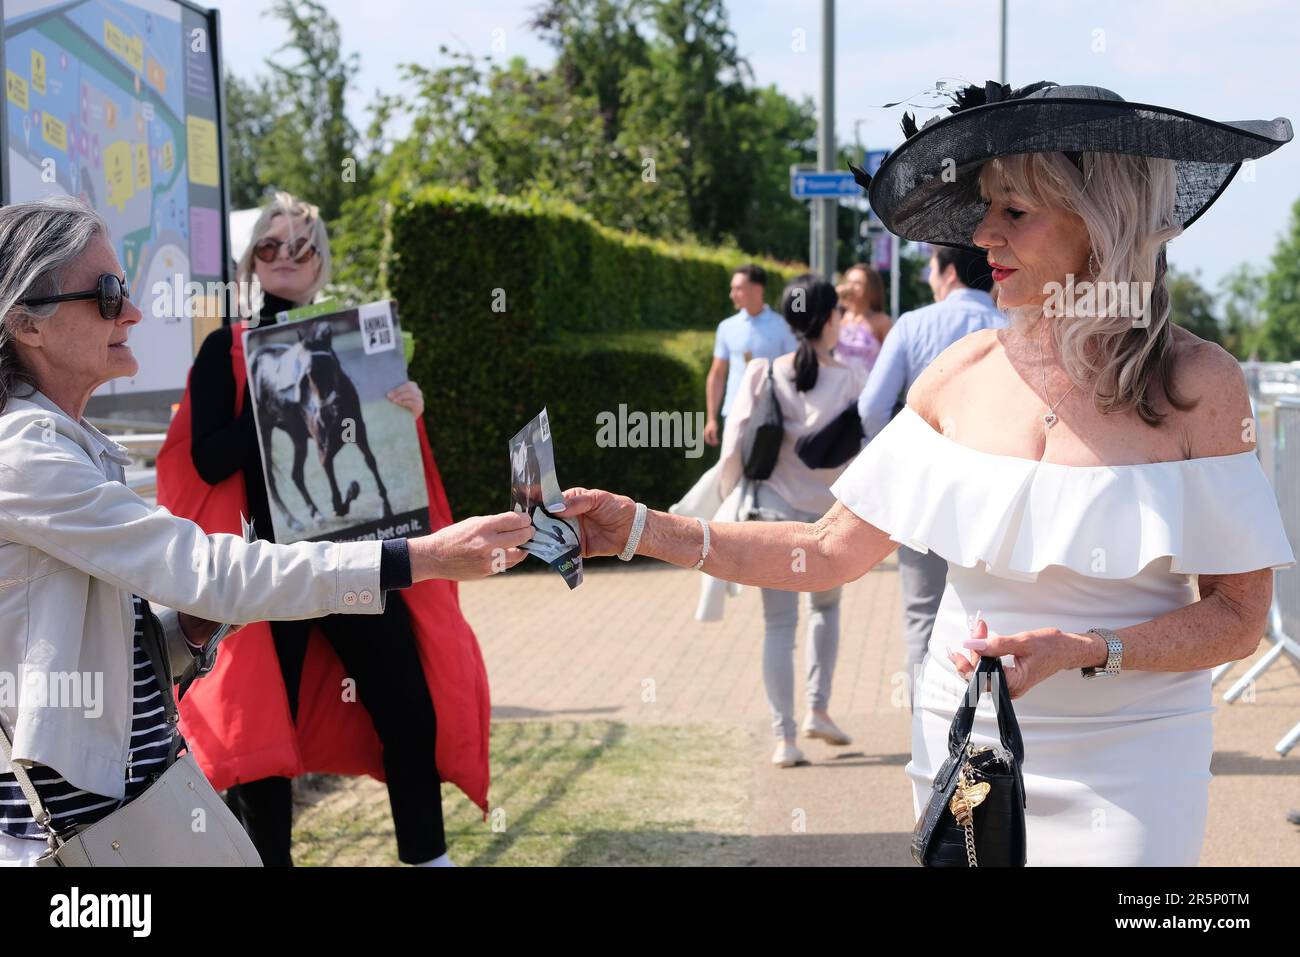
column 110, row 293
column 299, row 250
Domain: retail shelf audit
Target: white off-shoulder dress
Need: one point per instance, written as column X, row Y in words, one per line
column 1117, row 768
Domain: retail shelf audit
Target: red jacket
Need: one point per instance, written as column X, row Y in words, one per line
column 236, row 719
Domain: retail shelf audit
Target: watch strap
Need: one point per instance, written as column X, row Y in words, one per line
column 1114, row 654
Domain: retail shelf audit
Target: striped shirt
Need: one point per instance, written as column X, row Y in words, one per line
column 151, row 737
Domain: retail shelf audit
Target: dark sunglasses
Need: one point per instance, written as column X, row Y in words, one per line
column 109, row 291
column 300, row 250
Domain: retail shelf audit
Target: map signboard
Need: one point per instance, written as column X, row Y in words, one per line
column 119, row 102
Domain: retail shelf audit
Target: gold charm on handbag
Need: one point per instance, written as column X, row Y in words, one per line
column 969, row 795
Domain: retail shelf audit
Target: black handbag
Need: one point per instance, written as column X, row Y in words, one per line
column 761, row 443
column 834, row 444
column 976, row 813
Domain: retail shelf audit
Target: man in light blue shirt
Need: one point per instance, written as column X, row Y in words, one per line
column 959, row 308
column 960, row 281
column 755, row 332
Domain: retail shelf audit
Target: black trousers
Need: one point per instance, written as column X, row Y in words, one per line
column 379, row 653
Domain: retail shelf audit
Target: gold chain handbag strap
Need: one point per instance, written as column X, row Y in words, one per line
column 969, row 795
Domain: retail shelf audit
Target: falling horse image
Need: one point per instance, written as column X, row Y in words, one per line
column 303, row 390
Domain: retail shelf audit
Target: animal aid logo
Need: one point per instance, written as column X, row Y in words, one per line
column 377, row 333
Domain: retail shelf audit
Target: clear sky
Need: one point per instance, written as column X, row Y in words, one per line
column 1225, row 61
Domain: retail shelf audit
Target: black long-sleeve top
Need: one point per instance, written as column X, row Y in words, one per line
column 222, row 442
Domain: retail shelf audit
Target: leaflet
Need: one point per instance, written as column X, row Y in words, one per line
column 535, row 489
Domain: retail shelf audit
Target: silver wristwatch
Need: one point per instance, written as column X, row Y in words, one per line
column 1114, row 654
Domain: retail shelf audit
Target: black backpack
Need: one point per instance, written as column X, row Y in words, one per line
column 761, row 443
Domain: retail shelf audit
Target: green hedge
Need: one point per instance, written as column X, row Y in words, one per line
column 592, row 319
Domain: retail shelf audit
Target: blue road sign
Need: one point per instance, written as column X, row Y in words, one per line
column 809, row 184
column 872, row 159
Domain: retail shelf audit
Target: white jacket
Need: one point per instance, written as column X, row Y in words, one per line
column 704, row 500
column 76, row 543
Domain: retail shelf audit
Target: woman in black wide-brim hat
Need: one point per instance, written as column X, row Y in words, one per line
column 1077, row 468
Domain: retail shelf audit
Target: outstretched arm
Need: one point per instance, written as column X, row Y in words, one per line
column 793, row 556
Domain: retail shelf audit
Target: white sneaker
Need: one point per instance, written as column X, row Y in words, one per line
column 442, row 860
column 787, row 755
column 828, row 731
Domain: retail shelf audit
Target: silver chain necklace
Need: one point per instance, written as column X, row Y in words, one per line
column 1050, row 418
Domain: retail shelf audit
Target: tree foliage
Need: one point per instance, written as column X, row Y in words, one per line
column 1241, row 292
column 1278, row 338
column 1191, row 305
column 289, row 129
column 649, row 120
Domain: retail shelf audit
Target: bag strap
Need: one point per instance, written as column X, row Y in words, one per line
column 964, row 721
column 750, row 491
column 151, row 630
column 40, row 812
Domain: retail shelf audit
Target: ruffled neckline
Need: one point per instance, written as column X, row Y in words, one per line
column 920, row 420
column 1215, row 514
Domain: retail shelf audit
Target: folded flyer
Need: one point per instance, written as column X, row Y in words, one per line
column 534, row 489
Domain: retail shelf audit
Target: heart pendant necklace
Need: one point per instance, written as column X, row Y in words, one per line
column 1050, row 418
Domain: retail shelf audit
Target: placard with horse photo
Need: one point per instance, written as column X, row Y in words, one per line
column 319, row 385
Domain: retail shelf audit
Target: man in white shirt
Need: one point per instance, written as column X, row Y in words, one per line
column 960, row 281
column 756, row 331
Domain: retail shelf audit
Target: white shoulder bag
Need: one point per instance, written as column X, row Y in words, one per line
column 178, row 821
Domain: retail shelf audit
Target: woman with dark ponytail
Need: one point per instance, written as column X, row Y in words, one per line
column 810, row 305
column 812, row 388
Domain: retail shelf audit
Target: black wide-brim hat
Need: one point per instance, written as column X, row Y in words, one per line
column 915, row 200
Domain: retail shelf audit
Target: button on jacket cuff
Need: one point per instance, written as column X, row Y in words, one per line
column 358, row 589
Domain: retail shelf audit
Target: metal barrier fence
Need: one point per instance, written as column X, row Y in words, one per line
column 1275, row 403
column 1269, row 381
column 1286, row 582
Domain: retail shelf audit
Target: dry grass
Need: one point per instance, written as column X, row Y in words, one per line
column 563, row 794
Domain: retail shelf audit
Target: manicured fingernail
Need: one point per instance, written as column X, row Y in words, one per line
column 975, row 644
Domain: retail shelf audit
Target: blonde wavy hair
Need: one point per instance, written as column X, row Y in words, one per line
column 1127, row 204
column 286, row 204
